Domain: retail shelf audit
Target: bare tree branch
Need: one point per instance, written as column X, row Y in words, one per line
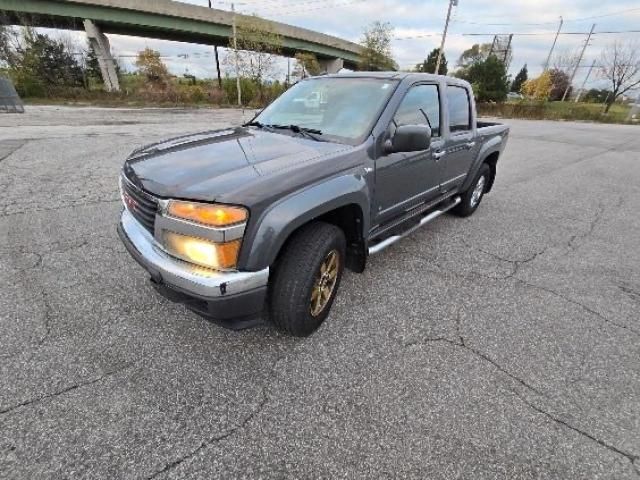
column 620, row 65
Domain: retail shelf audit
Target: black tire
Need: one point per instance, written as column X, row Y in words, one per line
column 296, row 273
column 468, row 205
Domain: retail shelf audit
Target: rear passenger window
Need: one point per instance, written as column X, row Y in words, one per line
column 420, row 102
column 459, row 109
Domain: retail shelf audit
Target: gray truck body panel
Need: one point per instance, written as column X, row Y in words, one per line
column 286, row 180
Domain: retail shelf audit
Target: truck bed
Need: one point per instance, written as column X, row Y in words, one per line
column 488, row 129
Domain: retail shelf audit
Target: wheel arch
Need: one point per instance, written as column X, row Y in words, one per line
column 342, row 201
column 492, row 161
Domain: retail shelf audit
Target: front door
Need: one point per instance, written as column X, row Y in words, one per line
column 406, row 179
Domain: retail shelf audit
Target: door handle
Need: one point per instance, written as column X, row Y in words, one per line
column 470, row 145
column 439, row 154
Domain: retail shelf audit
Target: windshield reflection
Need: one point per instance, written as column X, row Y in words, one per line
column 343, row 109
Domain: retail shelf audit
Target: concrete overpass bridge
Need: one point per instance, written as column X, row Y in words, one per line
column 169, row 20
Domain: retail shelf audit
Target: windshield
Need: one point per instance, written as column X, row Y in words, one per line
column 342, row 109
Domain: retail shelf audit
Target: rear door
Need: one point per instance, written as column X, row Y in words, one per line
column 460, row 147
column 406, row 179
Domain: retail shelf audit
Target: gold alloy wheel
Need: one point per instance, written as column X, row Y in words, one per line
column 325, row 283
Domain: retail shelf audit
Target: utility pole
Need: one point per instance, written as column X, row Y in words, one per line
column 215, row 50
column 575, row 69
column 546, row 64
column 452, row 3
column 288, row 71
column 235, row 50
column 585, row 82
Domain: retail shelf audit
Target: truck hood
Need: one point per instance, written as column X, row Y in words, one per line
column 227, row 165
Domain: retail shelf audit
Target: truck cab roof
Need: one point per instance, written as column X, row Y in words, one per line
column 408, row 76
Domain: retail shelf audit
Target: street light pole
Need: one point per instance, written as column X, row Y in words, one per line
column 452, row 3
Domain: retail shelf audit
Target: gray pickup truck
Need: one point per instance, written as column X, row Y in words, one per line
column 259, row 221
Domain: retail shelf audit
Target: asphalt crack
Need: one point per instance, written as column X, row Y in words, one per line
column 629, row 456
column 579, row 304
column 214, row 439
column 68, row 389
column 571, row 244
column 633, row 294
column 12, row 149
column 462, row 343
column 516, row 264
column 44, row 294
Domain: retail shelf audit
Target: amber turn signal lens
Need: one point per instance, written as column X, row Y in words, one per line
column 219, row 256
column 211, row 215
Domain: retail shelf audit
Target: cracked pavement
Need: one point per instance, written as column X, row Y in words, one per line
column 505, row 345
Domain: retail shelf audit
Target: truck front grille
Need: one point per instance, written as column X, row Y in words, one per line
column 142, row 205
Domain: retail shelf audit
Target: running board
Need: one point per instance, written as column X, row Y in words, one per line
column 378, row 247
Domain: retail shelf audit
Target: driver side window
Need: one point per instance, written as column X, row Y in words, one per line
column 421, row 102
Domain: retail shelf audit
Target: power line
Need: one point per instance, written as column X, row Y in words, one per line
column 296, row 12
column 279, row 8
column 474, row 34
column 604, row 32
column 593, row 17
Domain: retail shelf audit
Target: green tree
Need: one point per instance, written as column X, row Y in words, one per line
column 376, row 43
column 37, row 64
column 91, row 65
column 258, row 47
column 489, row 79
column 521, row 77
column 477, row 53
column 306, row 65
column 597, row 95
column 151, row 66
column 429, row 65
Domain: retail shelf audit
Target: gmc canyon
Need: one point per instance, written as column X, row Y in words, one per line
column 259, row 221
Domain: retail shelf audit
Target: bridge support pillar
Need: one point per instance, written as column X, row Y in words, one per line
column 100, row 44
column 331, row 66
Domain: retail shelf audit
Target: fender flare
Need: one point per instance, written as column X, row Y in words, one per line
column 269, row 233
column 494, row 145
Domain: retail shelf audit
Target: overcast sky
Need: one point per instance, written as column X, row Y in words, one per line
column 424, row 20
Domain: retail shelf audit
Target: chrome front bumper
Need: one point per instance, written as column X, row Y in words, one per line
column 187, row 278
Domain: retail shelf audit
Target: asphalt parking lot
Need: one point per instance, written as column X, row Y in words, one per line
column 505, row 345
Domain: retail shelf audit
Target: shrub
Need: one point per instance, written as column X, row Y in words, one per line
column 538, row 88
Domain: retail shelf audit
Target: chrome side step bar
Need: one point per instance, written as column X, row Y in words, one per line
column 378, row 247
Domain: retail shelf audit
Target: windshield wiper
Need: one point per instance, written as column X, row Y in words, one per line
column 255, row 123
column 306, row 132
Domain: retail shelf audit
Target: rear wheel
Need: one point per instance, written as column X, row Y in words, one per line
column 306, row 278
column 473, row 196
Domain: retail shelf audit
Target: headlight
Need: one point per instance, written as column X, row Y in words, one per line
column 219, row 256
column 205, row 214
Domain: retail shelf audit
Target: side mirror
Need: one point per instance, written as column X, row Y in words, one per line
column 409, row 138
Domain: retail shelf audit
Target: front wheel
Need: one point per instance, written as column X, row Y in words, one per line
column 473, row 196
column 306, row 278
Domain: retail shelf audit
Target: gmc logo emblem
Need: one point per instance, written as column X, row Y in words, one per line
column 130, row 203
